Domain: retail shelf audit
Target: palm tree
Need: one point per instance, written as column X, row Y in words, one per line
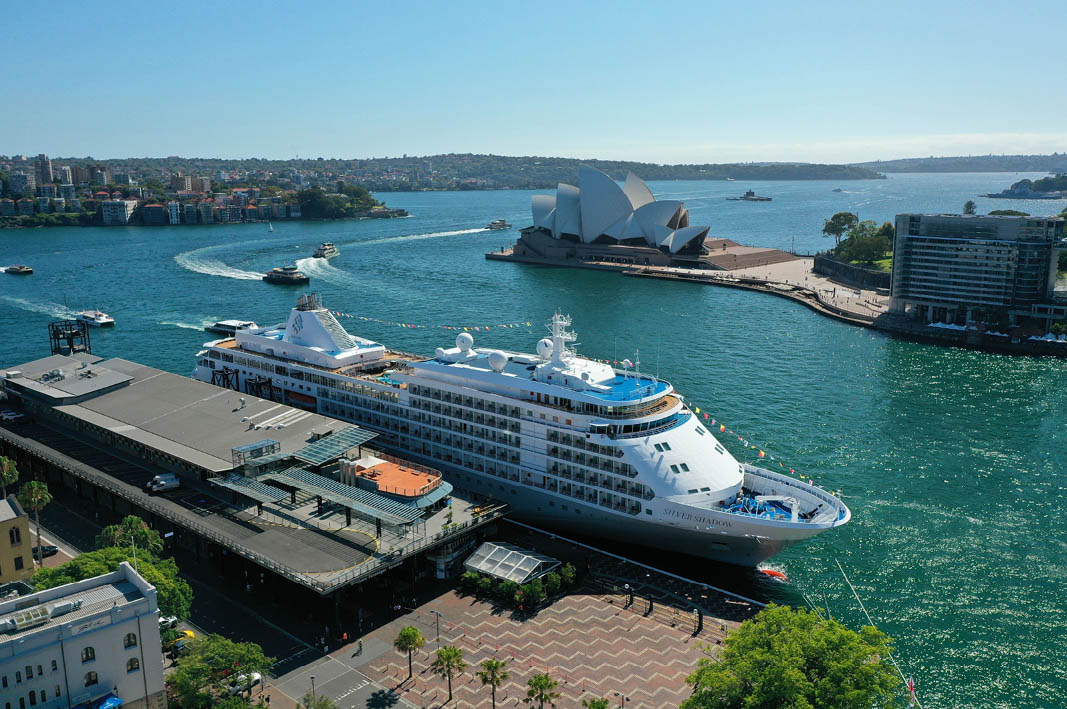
column 34, row 496
column 448, row 664
column 409, row 640
column 598, row 703
column 9, row 474
column 494, row 673
column 542, row 688
column 133, row 530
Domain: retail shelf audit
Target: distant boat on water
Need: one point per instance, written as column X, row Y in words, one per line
column 749, row 196
column 270, row 227
column 837, row 189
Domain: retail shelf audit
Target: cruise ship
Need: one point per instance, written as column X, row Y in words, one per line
column 568, row 442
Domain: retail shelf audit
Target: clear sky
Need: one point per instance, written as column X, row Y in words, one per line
column 655, row 81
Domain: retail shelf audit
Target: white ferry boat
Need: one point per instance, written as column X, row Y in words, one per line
column 566, row 441
column 326, row 250
column 228, row 327
column 96, row 318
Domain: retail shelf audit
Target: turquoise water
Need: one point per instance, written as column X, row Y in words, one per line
column 952, row 461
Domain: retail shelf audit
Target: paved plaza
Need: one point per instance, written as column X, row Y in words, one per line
column 594, row 645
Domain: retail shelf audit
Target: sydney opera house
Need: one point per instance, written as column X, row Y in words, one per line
column 600, row 224
column 598, row 211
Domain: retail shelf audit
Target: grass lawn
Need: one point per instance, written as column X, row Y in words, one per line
column 885, row 264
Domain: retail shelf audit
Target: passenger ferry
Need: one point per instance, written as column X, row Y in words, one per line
column 286, row 276
column 497, row 224
column 568, row 442
column 326, row 250
column 96, row 318
column 228, row 327
column 19, row 270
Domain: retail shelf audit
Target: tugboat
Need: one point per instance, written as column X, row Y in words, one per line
column 749, row 196
column 326, row 250
column 19, row 270
column 497, row 224
column 228, row 327
column 286, row 276
column 96, row 318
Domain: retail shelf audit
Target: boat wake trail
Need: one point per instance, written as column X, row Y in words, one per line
column 46, row 308
column 322, row 269
column 416, row 237
column 188, row 325
column 195, row 261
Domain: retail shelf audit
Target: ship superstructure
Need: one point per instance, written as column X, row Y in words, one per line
column 566, row 441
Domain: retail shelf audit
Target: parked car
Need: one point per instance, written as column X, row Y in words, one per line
column 245, row 683
column 167, row 621
column 12, row 416
column 180, row 645
column 45, row 551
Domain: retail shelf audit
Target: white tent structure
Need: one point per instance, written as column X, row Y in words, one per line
column 509, row 562
column 599, row 211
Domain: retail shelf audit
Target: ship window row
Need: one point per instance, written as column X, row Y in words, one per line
column 470, row 402
column 679, row 468
column 570, row 472
column 585, row 494
column 461, row 414
column 468, row 430
column 662, row 447
column 461, row 442
column 580, row 442
column 592, row 461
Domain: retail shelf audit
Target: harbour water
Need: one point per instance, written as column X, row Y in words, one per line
column 952, row 461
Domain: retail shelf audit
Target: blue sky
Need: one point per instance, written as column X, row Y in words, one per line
column 656, row 81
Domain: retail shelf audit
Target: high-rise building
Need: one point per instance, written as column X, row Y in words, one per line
column 44, row 205
column 204, row 184
column 207, row 212
column 66, row 175
column 44, row 169
column 82, row 174
column 7, row 209
column 16, row 555
column 100, row 175
column 89, row 643
column 958, row 268
column 181, row 182
column 154, row 214
column 117, row 212
column 189, row 213
column 47, row 189
column 174, row 212
column 22, row 184
column 25, row 207
column 68, row 191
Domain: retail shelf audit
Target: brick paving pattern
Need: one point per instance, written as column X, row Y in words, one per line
column 591, row 644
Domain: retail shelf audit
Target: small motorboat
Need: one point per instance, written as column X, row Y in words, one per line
column 774, row 574
column 19, row 270
column 96, row 318
column 497, row 224
column 837, row 189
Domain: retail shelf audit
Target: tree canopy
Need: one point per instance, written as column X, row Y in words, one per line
column 132, row 530
column 786, row 659
column 315, row 203
column 866, row 242
column 173, row 593
column 837, row 225
column 212, row 663
column 9, row 473
column 969, row 207
column 1008, row 213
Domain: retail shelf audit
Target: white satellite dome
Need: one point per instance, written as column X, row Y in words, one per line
column 498, row 360
column 439, row 353
column 464, row 341
column 544, row 348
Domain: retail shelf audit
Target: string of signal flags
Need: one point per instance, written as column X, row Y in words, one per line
column 418, row 326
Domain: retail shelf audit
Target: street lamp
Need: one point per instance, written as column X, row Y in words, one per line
column 437, row 617
column 313, row 686
column 630, row 593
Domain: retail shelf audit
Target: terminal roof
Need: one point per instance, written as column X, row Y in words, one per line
column 361, row 501
column 334, row 445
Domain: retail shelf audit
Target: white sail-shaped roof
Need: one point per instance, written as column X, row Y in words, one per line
column 601, row 208
column 637, row 191
column 603, row 203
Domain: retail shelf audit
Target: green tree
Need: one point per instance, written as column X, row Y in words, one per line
column 211, row 665
column 174, row 595
column 567, row 575
column 969, row 207
column 1008, row 213
column 887, row 231
column 552, row 584
column 798, row 660
column 837, row 225
column 34, row 495
column 317, row 701
column 494, row 673
column 409, row 640
column 448, row 664
column 865, row 243
column 598, row 703
column 468, row 582
column 541, row 688
column 9, row 473
column 132, row 530
column 531, row 595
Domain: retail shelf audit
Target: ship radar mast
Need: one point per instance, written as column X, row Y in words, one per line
column 560, row 337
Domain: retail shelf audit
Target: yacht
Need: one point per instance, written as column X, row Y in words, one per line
column 286, row 275
column 19, row 270
column 228, row 327
column 568, row 442
column 96, row 318
column 326, row 250
column 497, row 224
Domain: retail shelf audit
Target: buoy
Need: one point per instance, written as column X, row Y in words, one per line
column 775, row 574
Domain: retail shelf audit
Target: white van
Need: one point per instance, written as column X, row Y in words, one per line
column 161, row 483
